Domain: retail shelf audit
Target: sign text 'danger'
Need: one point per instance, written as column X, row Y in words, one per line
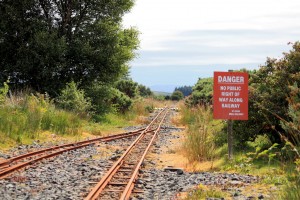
column 231, row 79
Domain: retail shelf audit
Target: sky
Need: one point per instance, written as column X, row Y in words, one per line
column 183, row 40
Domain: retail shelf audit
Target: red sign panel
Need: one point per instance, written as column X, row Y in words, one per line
column 230, row 95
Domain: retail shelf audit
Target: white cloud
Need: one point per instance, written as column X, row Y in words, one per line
column 212, row 32
column 159, row 20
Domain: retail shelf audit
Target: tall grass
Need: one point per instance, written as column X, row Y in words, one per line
column 25, row 116
column 199, row 143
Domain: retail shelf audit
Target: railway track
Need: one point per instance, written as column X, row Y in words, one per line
column 118, row 182
column 9, row 166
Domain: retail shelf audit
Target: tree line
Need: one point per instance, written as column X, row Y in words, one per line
column 46, row 44
column 74, row 49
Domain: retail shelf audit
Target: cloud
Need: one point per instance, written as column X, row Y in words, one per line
column 233, row 46
column 196, row 37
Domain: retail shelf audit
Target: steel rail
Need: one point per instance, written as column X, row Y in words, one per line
column 7, row 170
column 130, row 185
column 27, row 155
column 95, row 192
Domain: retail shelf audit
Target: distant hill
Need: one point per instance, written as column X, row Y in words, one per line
column 163, row 88
column 162, row 93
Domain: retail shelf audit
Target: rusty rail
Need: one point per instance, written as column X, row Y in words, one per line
column 123, row 165
column 10, row 165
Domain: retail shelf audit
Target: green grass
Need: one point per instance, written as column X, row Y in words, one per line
column 284, row 175
column 31, row 115
column 204, row 192
column 199, row 143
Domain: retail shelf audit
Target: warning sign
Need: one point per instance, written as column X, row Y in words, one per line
column 230, row 95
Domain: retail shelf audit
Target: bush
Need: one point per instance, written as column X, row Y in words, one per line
column 121, row 102
column 128, row 87
column 73, row 99
column 202, row 92
column 144, row 91
column 149, row 108
column 177, row 95
column 261, row 142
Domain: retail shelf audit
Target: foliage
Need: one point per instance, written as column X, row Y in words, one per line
column 204, row 192
column 202, row 92
column 177, row 95
column 100, row 95
column 46, row 44
column 149, row 108
column 120, row 101
column 199, row 143
column 33, row 114
column 186, row 90
column 73, row 99
column 144, row 91
column 159, row 97
column 291, row 190
column 3, row 92
column 261, row 142
column 268, row 92
column 292, row 144
column 292, row 127
column 106, row 99
column 128, row 87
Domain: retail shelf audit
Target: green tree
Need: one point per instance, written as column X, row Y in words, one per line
column 46, row 44
column 186, row 90
column 120, row 101
column 144, row 91
column 268, row 102
column 177, row 95
column 202, row 92
column 128, row 87
column 107, row 99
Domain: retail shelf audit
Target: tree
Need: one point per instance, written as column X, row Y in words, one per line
column 268, row 92
column 186, row 90
column 46, row 44
column 177, row 95
column 144, row 91
column 202, row 92
column 128, row 87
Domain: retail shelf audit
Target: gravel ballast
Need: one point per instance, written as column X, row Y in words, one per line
column 71, row 175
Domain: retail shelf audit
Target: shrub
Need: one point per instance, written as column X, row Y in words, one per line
column 100, row 96
column 261, row 142
column 73, row 99
column 149, row 108
column 121, row 102
column 177, row 95
column 128, row 87
column 144, row 91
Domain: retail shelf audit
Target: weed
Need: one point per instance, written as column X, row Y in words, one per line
column 204, row 192
column 199, row 143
